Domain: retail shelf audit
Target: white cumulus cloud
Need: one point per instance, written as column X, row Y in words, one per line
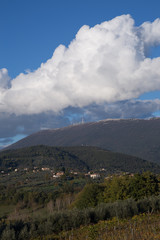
column 103, row 64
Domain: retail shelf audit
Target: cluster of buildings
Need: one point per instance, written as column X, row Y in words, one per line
column 55, row 175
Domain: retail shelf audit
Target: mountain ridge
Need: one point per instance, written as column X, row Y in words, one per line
column 137, row 137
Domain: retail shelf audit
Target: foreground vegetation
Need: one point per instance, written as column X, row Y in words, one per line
column 57, row 223
column 54, row 208
column 143, row 226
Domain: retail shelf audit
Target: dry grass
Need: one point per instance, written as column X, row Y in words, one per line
column 142, row 227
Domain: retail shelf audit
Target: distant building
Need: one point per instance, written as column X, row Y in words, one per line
column 58, row 174
column 45, row 169
column 95, row 175
column 55, row 176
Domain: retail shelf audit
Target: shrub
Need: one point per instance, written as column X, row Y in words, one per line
column 8, row 234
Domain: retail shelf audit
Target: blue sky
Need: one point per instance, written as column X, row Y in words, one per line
column 30, row 33
column 32, row 29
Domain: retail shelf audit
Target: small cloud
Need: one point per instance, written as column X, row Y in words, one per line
column 27, row 71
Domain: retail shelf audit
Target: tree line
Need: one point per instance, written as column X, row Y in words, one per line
column 118, row 188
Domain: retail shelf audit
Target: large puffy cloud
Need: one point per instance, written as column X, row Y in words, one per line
column 103, row 64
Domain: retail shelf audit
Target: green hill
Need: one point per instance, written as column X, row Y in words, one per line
column 82, row 158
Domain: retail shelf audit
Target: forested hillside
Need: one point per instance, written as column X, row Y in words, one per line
column 76, row 158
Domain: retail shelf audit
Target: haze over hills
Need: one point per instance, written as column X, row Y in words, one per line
column 82, row 159
column 137, row 137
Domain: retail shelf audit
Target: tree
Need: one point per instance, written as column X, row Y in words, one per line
column 143, row 185
column 124, row 187
column 116, row 188
column 90, row 196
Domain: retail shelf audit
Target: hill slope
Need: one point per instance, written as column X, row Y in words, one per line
column 133, row 136
column 76, row 158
